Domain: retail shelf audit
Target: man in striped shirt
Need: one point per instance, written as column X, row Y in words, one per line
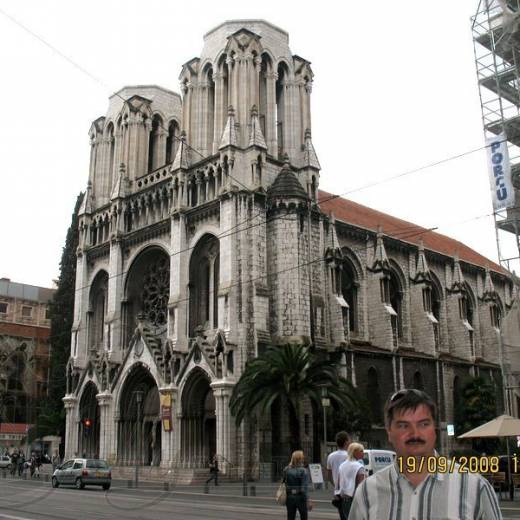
column 406, row 490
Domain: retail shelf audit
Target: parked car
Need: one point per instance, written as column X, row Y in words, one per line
column 83, row 472
column 5, row 462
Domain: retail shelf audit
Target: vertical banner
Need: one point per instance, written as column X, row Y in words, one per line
column 502, row 191
column 166, row 412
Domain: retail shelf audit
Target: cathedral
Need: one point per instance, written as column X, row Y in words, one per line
column 204, row 239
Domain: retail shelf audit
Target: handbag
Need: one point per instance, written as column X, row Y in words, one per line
column 281, row 494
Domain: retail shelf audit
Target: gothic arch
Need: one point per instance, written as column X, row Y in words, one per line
column 139, row 427
column 198, row 422
column 204, row 270
column 172, row 139
column 89, row 422
column 154, row 142
column 98, row 297
column 147, row 289
column 350, row 289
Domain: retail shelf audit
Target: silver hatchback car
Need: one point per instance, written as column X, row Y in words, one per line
column 83, row 472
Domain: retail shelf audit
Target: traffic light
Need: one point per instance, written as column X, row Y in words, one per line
column 87, row 425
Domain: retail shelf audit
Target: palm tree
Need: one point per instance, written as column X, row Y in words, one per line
column 289, row 373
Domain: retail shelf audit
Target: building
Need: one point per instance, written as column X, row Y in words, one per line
column 24, row 349
column 204, row 239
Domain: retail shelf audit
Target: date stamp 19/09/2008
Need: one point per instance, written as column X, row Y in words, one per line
column 440, row 464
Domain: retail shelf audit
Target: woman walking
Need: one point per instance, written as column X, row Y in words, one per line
column 296, row 481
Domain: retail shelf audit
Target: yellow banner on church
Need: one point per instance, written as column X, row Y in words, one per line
column 166, row 412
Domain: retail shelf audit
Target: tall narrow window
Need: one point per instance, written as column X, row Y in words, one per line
column 349, row 291
column 171, row 141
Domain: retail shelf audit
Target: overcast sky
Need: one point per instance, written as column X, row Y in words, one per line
column 394, row 90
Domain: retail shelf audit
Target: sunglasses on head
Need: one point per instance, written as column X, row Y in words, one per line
column 407, row 391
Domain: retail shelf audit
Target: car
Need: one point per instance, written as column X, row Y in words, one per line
column 83, row 472
column 5, row 462
column 376, row 460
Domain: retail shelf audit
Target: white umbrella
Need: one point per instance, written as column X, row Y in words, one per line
column 503, row 426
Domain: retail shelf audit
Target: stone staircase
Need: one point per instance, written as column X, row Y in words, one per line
column 178, row 476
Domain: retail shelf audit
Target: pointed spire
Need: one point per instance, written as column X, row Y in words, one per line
column 86, row 205
column 380, row 257
column 256, row 137
column 458, row 283
column 229, row 136
column 181, row 160
column 119, row 190
column 489, row 288
column 422, row 270
column 334, row 235
column 310, row 159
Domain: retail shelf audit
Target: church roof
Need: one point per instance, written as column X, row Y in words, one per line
column 367, row 218
column 286, row 185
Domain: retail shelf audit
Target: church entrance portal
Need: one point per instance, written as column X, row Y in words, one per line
column 89, row 427
column 139, row 429
column 198, row 423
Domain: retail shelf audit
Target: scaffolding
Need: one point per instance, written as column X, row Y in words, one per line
column 496, row 40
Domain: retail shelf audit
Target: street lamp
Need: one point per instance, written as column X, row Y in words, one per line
column 325, row 403
column 138, row 399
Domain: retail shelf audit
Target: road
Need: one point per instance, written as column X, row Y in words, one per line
column 35, row 500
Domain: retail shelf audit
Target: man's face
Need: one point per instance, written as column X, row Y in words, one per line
column 412, row 433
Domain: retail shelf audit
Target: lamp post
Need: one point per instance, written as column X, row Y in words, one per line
column 138, row 399
column 325, row 403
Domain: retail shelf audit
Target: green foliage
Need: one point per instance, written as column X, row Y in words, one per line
column 476, row 406
column 51, row 417
column 289, row 373
column 357, row 419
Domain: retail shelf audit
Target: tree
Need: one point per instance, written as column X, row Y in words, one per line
column 477, row 406
column 289, row 373
column 51, row 419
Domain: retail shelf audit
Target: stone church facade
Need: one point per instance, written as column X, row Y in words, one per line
column 204, row 239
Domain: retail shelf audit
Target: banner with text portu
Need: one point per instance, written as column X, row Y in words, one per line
column 502, row 191
column 166, row 412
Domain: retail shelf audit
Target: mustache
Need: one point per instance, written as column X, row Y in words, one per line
column 415, row 440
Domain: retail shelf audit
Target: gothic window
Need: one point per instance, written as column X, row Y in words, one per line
column 418, row 381
column 281, row 112
column 147, row 292
column 203, row 284
column 97, row 310
column 396, row 298
column 373, row 395
column 156, row 290
column 467, row 314
column 496, row 315
column 349, row 291
column 171, row 141
column 209, row 123
column 154, row 143
column 266, row 67
column 111, row 156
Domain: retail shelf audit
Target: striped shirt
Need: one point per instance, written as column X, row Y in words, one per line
column 388, row 495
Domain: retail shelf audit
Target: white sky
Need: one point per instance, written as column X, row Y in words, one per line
column 394, row 89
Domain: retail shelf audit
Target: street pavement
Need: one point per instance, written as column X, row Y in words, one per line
column 35, row 500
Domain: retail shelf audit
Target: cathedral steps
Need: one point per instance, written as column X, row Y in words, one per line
column 178, row 476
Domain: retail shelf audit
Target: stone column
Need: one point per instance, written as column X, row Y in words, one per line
column 168, row 439
column 71, row 425
column 222, row 390
column 106, row 428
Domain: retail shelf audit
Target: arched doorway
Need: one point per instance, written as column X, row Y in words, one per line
column 139, row 428
column 89, row 427
column 198, row 423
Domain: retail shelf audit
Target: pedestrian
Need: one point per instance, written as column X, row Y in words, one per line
column 56, row 460
column 412, row 487
column 213, row 470
column 296, row 483
column 14, row 463
column 21, row 464
column 334, row 461
column 350, row 474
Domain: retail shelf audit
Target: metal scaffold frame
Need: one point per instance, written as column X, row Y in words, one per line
column 496, row 42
